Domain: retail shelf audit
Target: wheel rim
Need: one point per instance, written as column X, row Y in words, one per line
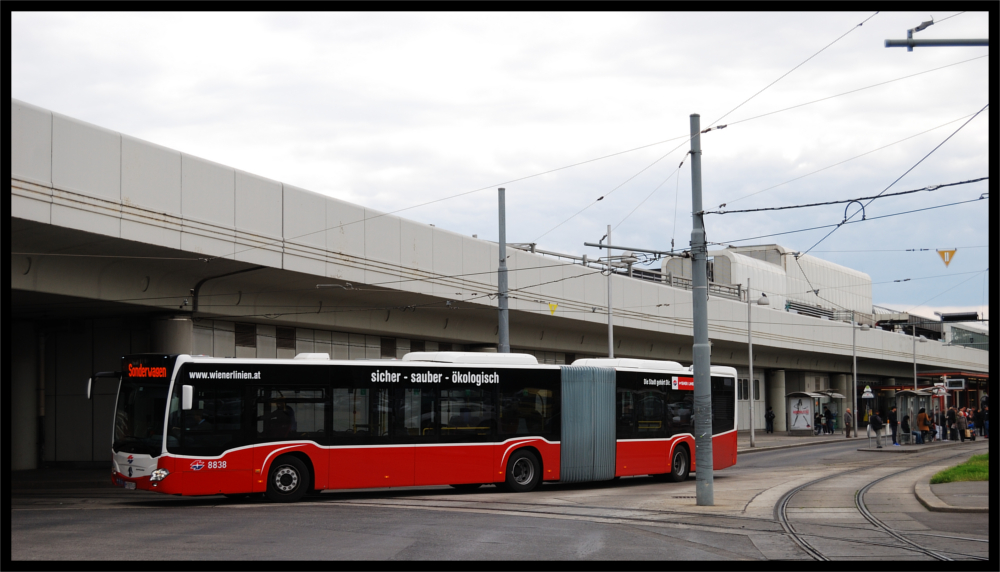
column 680, row 464
column 523, row 471
column 286, row 479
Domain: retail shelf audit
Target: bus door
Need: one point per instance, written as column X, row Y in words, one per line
column 466, row 424
column 287, row 419
column 366, row 450
column 210, row 438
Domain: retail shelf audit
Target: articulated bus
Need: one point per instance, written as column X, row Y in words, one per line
column 194, row 425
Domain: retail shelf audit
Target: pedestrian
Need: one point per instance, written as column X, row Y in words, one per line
column 922, row 424
column 952, row 431
column 979, row 421
column 894, row 426
column 875, row 423
column 831, row 420
column 963, row 425
column 818, row 422
column 769, row 420
column 932, row 429
column 906, row 430
column 848, row 423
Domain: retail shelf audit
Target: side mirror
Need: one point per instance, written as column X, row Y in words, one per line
column 187, row 397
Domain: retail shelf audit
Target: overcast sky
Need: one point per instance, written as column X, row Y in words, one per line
column 392, row 110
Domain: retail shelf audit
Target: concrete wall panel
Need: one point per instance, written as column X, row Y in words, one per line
column 86, row 158
column 151, row 234
column 30, row 209
column 345, row 235
column 195, row 240
column 304, row 217
column 30, row 143
column 447, row 259
column 95, row 222
column 151, row 176
column 257, row 205
column 224, row 339
column 382, row 249
column 416, row 252
column 208, row 191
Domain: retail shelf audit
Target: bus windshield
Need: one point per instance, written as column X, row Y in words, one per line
column 139, row 417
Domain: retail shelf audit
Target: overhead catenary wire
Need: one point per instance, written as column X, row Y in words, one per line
column 462, row 194
column 928, row 188
column 728, row 242
column 783, row 109
column 607, row 194
column 650, row 195
column 731, row 201
column 945, row 291
column 931, row 152
column 792, row 70
column 709, row 129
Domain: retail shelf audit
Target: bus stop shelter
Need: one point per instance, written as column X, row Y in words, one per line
column 909, row 402
column 802, row 407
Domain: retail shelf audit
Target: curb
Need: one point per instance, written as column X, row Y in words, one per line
column 930, row 500
column 777, row 447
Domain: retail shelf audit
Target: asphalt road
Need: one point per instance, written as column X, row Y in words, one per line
column 628, row 519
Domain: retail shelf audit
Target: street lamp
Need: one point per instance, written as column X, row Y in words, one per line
column 762, row 301
column 923, row 340
column 854, row 367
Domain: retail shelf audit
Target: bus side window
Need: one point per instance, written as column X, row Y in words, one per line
column 651, row 413
column 290, row 414
column 467, row 414
column 528, row 411
column 417, row 414
column 624, row 413
column 361, row 415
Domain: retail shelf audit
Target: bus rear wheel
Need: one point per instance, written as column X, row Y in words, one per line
column 680, row 465
column 524, row 472
column 287, row 480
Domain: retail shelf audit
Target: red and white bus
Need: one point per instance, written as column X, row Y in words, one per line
column 191, row 425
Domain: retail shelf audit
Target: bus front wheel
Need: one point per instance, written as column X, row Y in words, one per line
column 524, row 472
column 287, row 480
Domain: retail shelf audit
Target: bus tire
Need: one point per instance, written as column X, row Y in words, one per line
column 680, row 465
column 524, row 472
column 287, row 480
column 466, row 486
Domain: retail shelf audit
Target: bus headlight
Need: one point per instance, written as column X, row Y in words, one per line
column 159, row 475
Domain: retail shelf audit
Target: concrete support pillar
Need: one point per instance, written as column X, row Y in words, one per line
column 173, row 335
column 24, row 371
column 776, row 396
column 841, row 383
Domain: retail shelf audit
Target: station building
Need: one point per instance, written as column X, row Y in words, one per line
column 122, row 246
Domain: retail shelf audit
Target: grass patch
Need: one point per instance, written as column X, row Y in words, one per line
column 977, row 468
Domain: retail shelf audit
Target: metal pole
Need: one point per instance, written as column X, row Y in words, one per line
column 750, row 346
column 503, row 330
column 854, row 371
column 611, row 327
column 701, row 351
column 909, row 43
column 914, row 358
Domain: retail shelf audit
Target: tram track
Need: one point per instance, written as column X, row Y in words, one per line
column 801, row 538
